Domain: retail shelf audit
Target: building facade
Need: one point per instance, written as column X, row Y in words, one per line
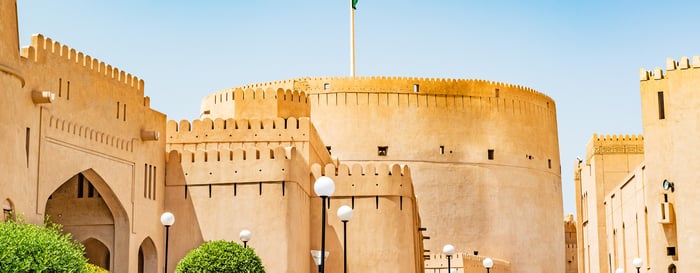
column 423, row 163
column 635, row 198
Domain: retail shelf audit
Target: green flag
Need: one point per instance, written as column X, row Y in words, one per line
column 354, row 4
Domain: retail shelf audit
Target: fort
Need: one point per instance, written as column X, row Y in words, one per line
column 422, row 162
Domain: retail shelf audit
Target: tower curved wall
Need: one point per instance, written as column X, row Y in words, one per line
column 484, row 156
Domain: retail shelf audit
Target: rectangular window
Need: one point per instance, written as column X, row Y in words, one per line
column 80, row 185
column 154, row 182
column 26, row 145
column 498, row 92
column 662, row 112
column 490, row 154
column 117, row 110
column 416, row 88
column 145, row 180
column 442, row 150
column 91, row 190
column 68, row 90
column 124, row 114
column 549, row 163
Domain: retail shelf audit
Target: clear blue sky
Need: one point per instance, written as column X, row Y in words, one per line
column 586, row 55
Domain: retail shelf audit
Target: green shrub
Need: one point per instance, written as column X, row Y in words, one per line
column 30, row 248
column 91, row 268
column 221, row 256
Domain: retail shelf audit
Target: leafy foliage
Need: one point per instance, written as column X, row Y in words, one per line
column 30, row 248
column 221, row 256
column 91, row 268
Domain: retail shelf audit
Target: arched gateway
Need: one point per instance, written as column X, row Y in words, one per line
column 87, row 208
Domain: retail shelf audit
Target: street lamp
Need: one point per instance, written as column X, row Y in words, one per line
column 167, row 219
column 637, row 262
column 448, row 250
column 324, row 188
column 619, row 270
column 245, row 237
column 345, row 214
column 488, row 263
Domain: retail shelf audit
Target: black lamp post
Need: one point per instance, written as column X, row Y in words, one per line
column 324, row 187
column 245, row 237
column 167, row 219
column 448, row 250
column 345, row 214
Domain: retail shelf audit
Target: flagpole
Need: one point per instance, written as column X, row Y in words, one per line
column 352, row 40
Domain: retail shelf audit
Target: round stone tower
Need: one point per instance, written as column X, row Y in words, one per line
column 484, row 156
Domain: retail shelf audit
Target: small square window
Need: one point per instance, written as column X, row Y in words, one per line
column 671, row 251
column 382, row 150
column 326, row 86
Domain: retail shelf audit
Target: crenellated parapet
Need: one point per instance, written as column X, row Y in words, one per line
column 671, row 65
column 398, row 92
column 237, row 130
column 385, row 84
column 615, row 144
column 255, row 103
column 368, row 180
column 42, row 48
column 220, row 165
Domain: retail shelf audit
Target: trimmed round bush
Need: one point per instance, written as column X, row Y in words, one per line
column 30, row 248
column 221, row 256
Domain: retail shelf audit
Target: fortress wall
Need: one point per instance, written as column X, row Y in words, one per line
column 384, row 213
column 89, row 91
column 444, row 129
column 95, row 119
column 264, row 190
column 264, row 208
column 20, row 147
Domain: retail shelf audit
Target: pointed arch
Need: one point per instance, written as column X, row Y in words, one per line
column 97, row 253
column 92, row 211
column 148, row 256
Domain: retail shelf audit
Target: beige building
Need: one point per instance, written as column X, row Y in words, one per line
column 423, row 162
column 635, row 194
column 570, row 240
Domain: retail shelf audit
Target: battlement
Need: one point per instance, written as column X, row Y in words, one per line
column 615, row 144
column 372, row 84
column 279, row 94
column 671, row 65
column 42, row 48
column 367, row 180
column 230, row 130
